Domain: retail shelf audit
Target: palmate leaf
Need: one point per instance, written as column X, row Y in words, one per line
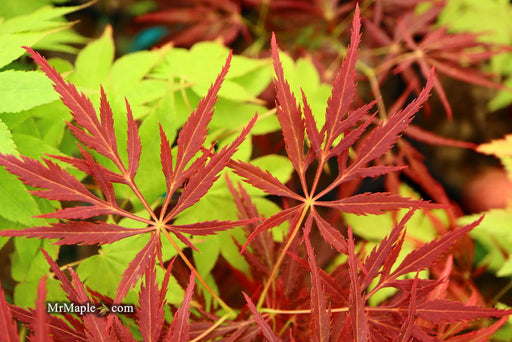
column 458, row 55
column 194, row 170
column 93, row 327
column 339, row 120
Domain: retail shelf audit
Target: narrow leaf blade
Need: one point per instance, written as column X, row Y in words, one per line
column 180, row 327
column 357, row 311
column 264, row 327
column 137, row 266
column 428, row 253
column 262, row 179
column 150, row 315
column 443, row 311
column 374, row 203
column 288, row 113
column 79, row 232
column 344, row 85
column 320, row 321
column 193, row 132
column 7, row 324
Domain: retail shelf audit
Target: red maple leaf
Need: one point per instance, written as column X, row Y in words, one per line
column 98, row 134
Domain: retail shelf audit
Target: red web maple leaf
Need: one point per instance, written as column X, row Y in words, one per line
column 98, row 134
column 414, row 40
column 342, row 129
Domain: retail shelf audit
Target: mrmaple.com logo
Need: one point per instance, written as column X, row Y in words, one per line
column 88, row 308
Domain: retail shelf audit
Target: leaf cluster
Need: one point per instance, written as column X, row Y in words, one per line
column 160, row 240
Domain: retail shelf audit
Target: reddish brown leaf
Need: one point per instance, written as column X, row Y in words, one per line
column 61, row 185
column 101, row 179
column 193, row 132
column 419, row 134
column 424, row 256
column 262, row 179
column 83, row 166
column 137, row 266
column 357, row 311
column 264, row 327
column 468, row 75
column 353, row 117
column 81, row 212
column 350, row 138
column 210, row 227
column 134, row 146
column 150, row 314
column 381, row 252
column 314, row 136
column 166, row 158
column 8, row 326
column 95, row 327
column 321, row 322
column 443, row 311
column 330, row 234
column 382, row 138
column 101, row 136
column 65, row 283
column 80, row 232
column 442, row 289
column 273, row 221
column 122, row 332
column 70, row 331
column 374, row 203
column 344, row 85
column 200, row 182
column 407, row 326
column 288, row 114
column 484, row 334
column 372, row 171
column 107, row 120
column 40, row 326
column 180, row 328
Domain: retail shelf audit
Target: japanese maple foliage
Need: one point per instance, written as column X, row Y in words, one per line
column 339, row 120
column 99, row 136
column 416, row 41
column 289, row 295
